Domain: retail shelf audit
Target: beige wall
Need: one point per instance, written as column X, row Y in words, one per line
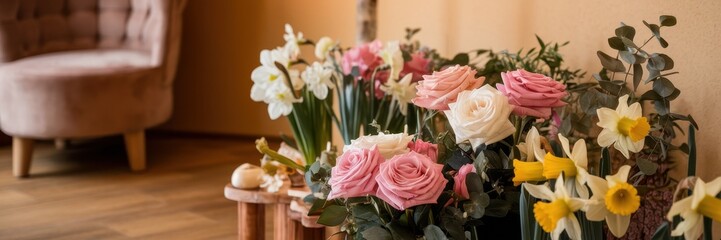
column 223, row 38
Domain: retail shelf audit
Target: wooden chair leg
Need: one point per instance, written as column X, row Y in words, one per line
column 135, row 147
column 22, row 156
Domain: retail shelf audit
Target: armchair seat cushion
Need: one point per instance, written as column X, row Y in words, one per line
column 82, row 93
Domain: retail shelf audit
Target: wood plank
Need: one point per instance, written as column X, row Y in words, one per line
column 87, row 192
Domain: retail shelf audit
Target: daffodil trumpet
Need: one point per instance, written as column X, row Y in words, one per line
column 556, row 212
column 613, row 200
column 703, row 202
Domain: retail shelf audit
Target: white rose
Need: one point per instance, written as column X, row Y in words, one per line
column 389, row 145
column 480, row 116
column 323, row 47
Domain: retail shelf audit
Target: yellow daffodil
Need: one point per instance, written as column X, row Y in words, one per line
column 625, row 127
column 556, row 215
column 530, row 170
column 614, row 200
column 574, row 166
column 702, row 202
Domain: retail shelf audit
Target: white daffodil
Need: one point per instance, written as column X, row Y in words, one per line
column 532, row 168
column 702, row 202
column 323, row 47
column 292, row 41
column 556, row 215
column 317, row 78
column 402, row 91
column 614, row 200
column 272, row 183
column 625, row 128
column 392, row 56
column 267, row 74
column 280, row 101
column 574, row 166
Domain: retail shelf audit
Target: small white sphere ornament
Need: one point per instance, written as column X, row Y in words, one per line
column 247, row 176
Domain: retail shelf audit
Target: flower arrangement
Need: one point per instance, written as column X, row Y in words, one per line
column 440, row 148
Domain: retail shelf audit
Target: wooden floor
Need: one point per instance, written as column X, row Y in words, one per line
column 88, row 192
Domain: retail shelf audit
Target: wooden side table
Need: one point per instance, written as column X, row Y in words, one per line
column 286, row 224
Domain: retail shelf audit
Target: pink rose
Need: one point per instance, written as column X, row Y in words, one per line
column 365, row 57
column 418, row 66
column 438, row 90
column 459, row 184
column 409, row 180
column 354, row 173
column 532, row 94
column 425, row 148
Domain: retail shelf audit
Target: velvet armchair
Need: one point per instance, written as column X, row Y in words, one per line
column 86, row 68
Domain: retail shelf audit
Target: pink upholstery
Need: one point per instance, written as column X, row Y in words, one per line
column 81, row 68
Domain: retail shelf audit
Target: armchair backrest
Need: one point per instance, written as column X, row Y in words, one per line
column 31, row 27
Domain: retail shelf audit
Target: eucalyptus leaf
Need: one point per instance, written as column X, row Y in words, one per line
column 663, row 87
column 651, row 95
column 433, row 232
column 616, row 43
column 333, row 215
column 610, row 63
column 474, row 182
column 637, row 76
column 667, row 20
column 626, row 31
column 655, row 29
column 377, row 232
column 461, row 59
column 646, row 166
column 663, row 232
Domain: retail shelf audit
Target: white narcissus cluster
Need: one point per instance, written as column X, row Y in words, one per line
column 323, row 47
column 480, row 116
column 292, row 42
column 392, row 56
column 402, row 92
column 269, row 83
column 388, row 145
column 317, row 79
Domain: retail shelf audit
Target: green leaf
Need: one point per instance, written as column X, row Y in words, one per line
column 452, row 221
column 610, row 63
column 627, row 56
column 432, row 232
column 377, row 232
column 667, row 20
column 525, row 208
column 605, row 165
column 498, row 208
column 660, row 62
column 626, row 31
column 662, row 232
column 663, row 87
column 691, row 151
column 651, row 95
column 663, row 42
column 333, row 215
column 655, row 29
column 628, row 43
column 646, row 166
column 461, row 59
column 474, row 182
column 616, row 43
column 637, row 76
column 400, row 232
column 476, row 207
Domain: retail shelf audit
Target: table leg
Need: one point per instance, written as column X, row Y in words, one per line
column 284, row 227
column 251, row 220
